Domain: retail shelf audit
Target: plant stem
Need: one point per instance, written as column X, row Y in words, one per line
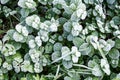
column 80, row 72
column 58, row 69
column 15, row 17
column 101, row 52
column 61, row 57
column 83, row 66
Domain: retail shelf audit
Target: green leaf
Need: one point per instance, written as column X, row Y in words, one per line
column 16, row 45
column 29, row 76
column 114, row 62
column 117, row 43
column 43, row 78
column 114, row 54
column 2, row 31
column 55, row 55
column 85, row 49
column 67, row 26
column 110, row 1
column 57, row 46
column 23, row 78
column 67, row 78
column 78, row 41
column 65, row 50
column 18, row 37
column 24, row 12
column 86, row 1
column 96, row 71
column 4, row 1
column 67, row 64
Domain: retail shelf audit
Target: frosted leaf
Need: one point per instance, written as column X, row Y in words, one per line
column 8, row 50
column 33, row 21
column 105, row 66
column 19, row 27
column 34, row 25
column 21, row 3
column 74, row 59
column 84, row 15
column 38, row 67
column 32, row 44
column 27, row 4
column 74, row 32
column 25, row 31
column 65, row 50
column 4, row 1
column 38, row 41
column 57, row 46
column 79, row 12
column 53, row 27
column 29, row 20
column 17, row 37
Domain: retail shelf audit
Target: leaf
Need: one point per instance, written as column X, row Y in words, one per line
column 75, row 59
column 23, row 78
column 105, row 66
column 17, row 37
column 2, row 31
column 114, row 62
column 84, row 15
column 67, row 78
column 78, row 41
column 79, row 12
column 110, row 1
column 24, row 12
column 93, row 40
column 21, row 3
column 65, row 50
column 29, row 76
column 85, row 49
column 38, row 41
column 4, row 1
column 14, row 77
column 25, row 31
column 48, row 48
column 86, row 1
column 19, row 27
column 67, row 64
column 16, row 45
column 116, row 19
column 57, row 46
column 38, row 67
column 96, row 71
column 10, row 33
column 27, row 4
column 114, row 54
column 117, row 43
column 55, row 55
column 43, row 78
column 31, row 4
column 32, row 43
column 29, row 20
column 67, row 26
column 70, row 37
column 75, row 76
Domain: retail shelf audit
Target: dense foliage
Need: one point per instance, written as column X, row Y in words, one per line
column 60, row 40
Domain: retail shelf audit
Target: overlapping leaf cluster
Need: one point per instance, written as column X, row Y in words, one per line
column 61, row 40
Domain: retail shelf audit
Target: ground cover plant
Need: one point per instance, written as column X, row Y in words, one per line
column 59, row 40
